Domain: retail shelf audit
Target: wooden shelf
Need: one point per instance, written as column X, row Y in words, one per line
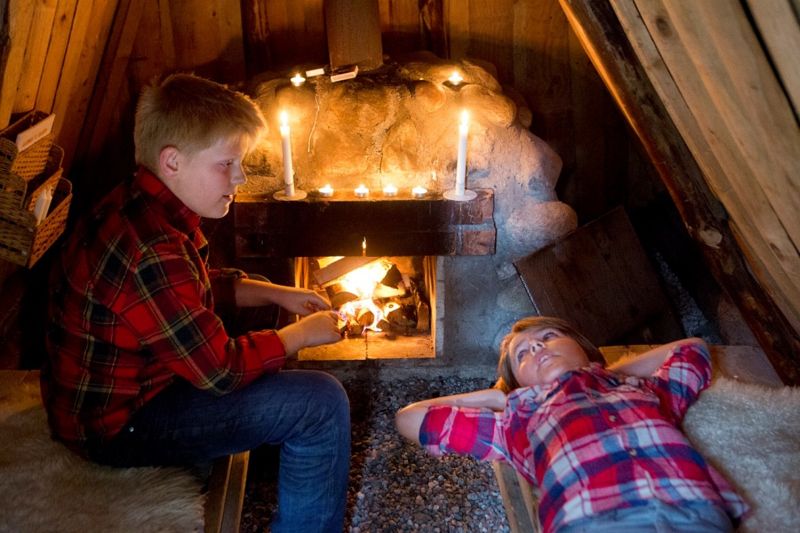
column 318, row 227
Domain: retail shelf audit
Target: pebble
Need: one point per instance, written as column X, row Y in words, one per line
column 389, row 475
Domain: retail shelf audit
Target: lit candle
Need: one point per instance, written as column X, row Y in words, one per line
column 297, row 80
column 419, row 192
column 326, row 190
column 390, row 190
column 461, row 162
column 361, row 191
column 286, row 145
column 455, row 78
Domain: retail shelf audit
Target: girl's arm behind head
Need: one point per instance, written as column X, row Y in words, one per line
column 409, row 419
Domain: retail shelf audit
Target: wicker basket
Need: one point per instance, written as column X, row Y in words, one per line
column 22, row 241
column 17, row 193
column 30, row 162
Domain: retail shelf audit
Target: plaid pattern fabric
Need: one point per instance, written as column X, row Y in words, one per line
column 594, row 441
column 132, row 309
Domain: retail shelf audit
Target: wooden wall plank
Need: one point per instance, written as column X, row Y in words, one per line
column 101, row 112
column 35, row 54
column 778, row 24
column 400, row 25
column 457, row 27
column 20, row 17
column 731, row 112
column 56, row 52
column 489, row 23
column 604, row 39
column 88, row 38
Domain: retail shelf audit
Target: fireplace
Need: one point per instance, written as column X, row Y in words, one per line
column 386, row 305
column 359, row 149
column 404, row 240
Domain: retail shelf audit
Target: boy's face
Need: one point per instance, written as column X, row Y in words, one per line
column 540, row 356
column 207, row 180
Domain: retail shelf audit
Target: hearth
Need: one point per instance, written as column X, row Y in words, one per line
column 399, row 242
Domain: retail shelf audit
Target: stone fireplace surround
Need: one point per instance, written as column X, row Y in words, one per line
column 398, row 124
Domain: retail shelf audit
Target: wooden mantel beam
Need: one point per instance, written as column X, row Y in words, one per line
column 606, row 44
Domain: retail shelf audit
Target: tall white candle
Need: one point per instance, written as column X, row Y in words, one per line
column 461, row 162
column 286, row 146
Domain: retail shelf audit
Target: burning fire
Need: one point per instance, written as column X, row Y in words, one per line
column 365, row 284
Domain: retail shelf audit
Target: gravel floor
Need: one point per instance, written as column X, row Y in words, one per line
column 394, row 485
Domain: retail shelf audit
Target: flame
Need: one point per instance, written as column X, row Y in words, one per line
column 362, row 283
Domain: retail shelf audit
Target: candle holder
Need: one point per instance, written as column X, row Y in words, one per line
column 466, row 196
column 285, row 196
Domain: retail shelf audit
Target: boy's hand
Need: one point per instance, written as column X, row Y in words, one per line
column 313, row 330
column 301, row 301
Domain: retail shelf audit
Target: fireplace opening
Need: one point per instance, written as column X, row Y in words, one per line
column 386, row 305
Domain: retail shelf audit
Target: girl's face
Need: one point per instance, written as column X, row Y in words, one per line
column 540, row 356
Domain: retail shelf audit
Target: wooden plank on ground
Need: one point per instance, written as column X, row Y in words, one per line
column 599, row 31
column 599, row 279
column 518, row 503
column 226, row 486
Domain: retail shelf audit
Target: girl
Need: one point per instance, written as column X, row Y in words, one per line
column 602, row 444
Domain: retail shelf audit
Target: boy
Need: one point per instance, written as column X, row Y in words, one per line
column 603, row 445
column 141, row 370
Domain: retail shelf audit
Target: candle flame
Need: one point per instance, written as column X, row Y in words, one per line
column 364, row 247
column 284, row 118
column 297, row 80
column 464, row 117
column 455, row 78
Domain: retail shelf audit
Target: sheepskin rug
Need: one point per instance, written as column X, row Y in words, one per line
column 45, row 488
column 751, row 434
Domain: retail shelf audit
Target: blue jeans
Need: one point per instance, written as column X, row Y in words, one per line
column 656, row 517
column 306, row 412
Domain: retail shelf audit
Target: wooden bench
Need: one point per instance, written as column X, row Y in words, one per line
column 226, row 485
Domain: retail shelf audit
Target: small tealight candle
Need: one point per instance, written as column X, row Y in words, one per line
column 419, row 192
column 390, row 190
column 326, row 190
column 361, row 191
column 455, row 78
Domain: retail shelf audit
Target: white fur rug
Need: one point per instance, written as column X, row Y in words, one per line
column 46, row 488
column 751, row 433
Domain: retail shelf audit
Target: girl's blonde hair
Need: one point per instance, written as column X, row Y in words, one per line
column 506, row 380
column 191, row 113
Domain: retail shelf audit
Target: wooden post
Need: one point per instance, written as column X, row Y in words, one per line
column 354, row 33
column 604, row 40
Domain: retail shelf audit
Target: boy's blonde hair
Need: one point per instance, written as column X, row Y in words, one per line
column 191, row 113
column 506, row 380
